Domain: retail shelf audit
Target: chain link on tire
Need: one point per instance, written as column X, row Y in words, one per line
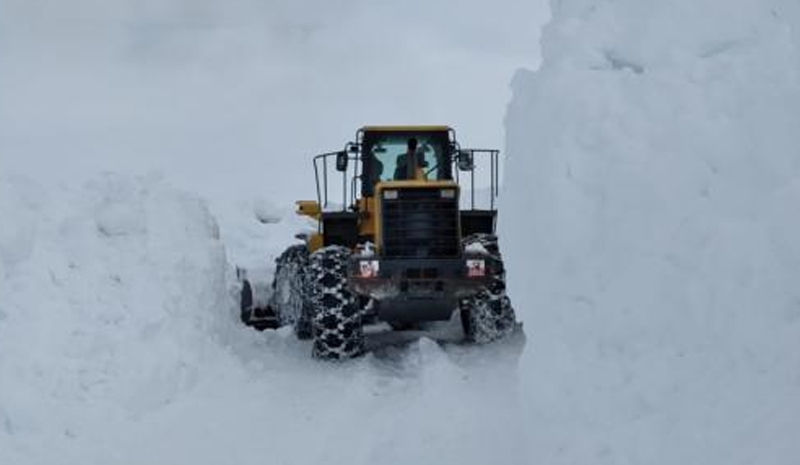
column 337, row 322
column 289, row 290
column 488, row 315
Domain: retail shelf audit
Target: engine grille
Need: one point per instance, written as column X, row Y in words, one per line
column 419, row 223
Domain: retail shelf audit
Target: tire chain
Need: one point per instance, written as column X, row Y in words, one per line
column 338, row 330
column 489, row 313
column 291, row 268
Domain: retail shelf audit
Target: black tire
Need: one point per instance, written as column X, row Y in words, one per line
column 290, row 293
column 246, row 302
column 403, row 325
column 337, row 319
column 488, row 315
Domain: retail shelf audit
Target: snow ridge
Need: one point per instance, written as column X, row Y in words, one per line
column 105, row 289
column 655, row 156
column 120, row 344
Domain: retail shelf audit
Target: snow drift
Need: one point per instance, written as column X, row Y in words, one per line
column 110, row 294
column 120, row 344
column 656, row 158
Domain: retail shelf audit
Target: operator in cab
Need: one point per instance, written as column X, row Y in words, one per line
column 408, row 163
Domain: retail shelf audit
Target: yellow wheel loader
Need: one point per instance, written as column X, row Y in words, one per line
column 395, row 242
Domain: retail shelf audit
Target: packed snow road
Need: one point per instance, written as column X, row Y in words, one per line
column 120, row 343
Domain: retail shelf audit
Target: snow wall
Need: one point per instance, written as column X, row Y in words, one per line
column 110, row 297
column 655, row 159
column 120, row 344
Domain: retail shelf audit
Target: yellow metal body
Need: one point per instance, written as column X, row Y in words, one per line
column 315, row 242
column 309, row 208
column 368, row 218
column 369, row 224
column 368, row 208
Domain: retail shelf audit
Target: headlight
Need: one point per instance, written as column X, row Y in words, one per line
column 390, row 195
column 448, row 193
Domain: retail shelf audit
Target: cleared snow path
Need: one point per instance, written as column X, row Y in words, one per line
column 119, row 344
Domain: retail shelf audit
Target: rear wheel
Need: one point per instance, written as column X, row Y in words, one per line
column 337, row 323
column 488, row 315
column 246, row 302
column 289, row 290
column 251, row 314
column 403, row 325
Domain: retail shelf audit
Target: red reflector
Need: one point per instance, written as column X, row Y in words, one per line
column 369, row 268
column 476, row 268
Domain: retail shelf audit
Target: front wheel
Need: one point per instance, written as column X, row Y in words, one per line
column 488, row 315
column 336, row 321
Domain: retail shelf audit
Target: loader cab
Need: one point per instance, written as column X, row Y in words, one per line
column 360, row 187
column 384, row 151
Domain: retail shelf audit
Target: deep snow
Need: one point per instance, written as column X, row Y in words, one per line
column 119, row 337
column 653, row 173
column 120, row 343
column 655, row 157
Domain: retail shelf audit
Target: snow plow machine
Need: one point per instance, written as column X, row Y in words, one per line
column 403, row 246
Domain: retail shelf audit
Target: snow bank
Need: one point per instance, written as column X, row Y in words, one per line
column 656, row 158
column 111, row 296
column 119, row 344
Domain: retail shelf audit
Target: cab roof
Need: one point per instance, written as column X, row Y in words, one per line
column 405, row 128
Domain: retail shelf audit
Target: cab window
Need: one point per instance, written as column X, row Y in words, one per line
column 383, row 155
column 389, row 155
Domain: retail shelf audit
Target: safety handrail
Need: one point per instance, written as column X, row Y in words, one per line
column 322, row 187
column 494, row 175
column 321, row 175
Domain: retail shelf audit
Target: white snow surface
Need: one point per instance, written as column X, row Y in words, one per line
column 476, row 247
column 655, row 157
column 119, row 334
column 654, row 259
column 120, row 344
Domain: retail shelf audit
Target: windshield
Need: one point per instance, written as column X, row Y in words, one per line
column 384, row 154
column 390, row 152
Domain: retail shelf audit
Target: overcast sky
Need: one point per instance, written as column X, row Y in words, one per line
column 217, row 94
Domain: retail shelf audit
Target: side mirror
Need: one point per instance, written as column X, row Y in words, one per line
column 465, row 160
column 341, row 161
